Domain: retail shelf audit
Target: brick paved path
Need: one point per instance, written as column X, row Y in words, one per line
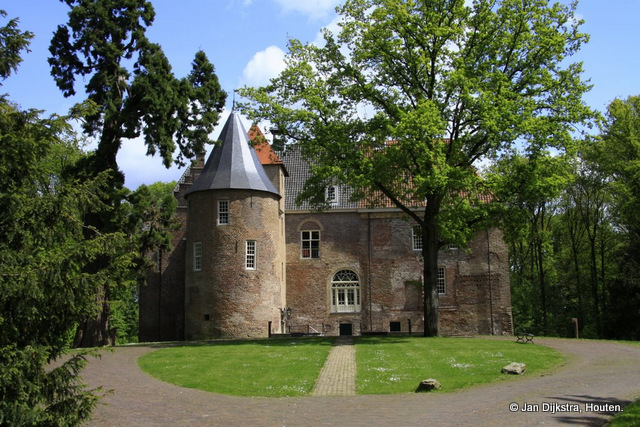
column 596, row 372
column 338, row 375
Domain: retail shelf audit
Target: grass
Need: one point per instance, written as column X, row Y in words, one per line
column 270, row 368
column 629, row 417
column 385, row 365
column 397, row 365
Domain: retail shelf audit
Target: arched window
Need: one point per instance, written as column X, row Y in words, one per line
column 345, row 292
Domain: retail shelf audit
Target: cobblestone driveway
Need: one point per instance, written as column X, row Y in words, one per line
column 596, row 373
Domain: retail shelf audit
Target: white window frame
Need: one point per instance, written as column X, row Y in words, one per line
column 307, row 240
column 250, row 255
column 223, row 212
column 197, row 256
column 345, row 292
column 416, row 238
column 333, row 199
column 442, row 280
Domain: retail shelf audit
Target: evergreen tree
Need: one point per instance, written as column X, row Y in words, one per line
column 99, row 40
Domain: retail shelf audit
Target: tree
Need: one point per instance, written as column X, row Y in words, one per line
column 12, row 43
column 149, row 221
column 618, row 157
column 410, row 96
column 99, row 40
column 529, row 188
column 42, row 293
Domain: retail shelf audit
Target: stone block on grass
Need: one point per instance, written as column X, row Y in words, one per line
column 428, row 385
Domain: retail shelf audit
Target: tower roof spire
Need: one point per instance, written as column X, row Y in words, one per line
column 233, row 164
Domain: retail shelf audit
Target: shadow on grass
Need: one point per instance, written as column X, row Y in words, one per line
column 267, row 342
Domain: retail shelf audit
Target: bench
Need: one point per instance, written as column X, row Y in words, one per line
column 524, row 337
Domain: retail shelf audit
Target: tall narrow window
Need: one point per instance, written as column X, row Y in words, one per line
column 417, row 237
column 223, row 212
column 442, row 282
column 250, row 255
column 197, row 256
column 345, row 292
column 310, row 244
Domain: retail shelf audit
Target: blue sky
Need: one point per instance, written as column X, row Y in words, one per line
column 246, row 41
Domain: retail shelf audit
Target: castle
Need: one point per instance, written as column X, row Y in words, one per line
column 249, row 262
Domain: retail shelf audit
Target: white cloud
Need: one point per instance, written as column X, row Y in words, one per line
column 312, row 8
column 264, row 65
column 139, row 168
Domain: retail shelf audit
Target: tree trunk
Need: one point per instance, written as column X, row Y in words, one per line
column 94, row 332
column 430, row 247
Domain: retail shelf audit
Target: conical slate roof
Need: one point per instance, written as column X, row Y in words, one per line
column 234, row 164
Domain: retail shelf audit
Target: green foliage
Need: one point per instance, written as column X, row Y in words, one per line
column 573, row 251
column 98, row 43
column 44, row 291
column 34, row 394
column 149, row 220
column 12, row 43
column 529, row 188
column 408, row 98
column 271, row 368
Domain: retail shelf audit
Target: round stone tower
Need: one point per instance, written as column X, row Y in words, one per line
column 235, row 248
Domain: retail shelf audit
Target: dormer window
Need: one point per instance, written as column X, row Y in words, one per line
column 331, row 194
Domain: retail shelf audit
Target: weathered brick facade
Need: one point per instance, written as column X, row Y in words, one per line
column 346, row 270
column 378, row 247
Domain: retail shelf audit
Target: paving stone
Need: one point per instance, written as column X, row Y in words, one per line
column 338, row 375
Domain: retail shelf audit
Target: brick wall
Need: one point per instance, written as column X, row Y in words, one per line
column 225, row 299
column 378, row 247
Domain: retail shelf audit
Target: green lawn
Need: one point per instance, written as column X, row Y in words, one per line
column 290, row 367
column 389, row 365
column 629, row 417
column 269, row 368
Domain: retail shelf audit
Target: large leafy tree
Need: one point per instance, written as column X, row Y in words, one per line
column 411, row 95
column 173, row 116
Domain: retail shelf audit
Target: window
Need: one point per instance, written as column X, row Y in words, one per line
column 223, row 212
column 416, row 233
column 310, row 244
column 250, row 255
column 345, row 292
column 197, row 256
column 442, row 282
column 331, row 195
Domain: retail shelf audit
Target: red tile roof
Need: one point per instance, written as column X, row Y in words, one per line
column 265, row 154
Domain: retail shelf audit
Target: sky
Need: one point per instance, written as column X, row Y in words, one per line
column 246, row 40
